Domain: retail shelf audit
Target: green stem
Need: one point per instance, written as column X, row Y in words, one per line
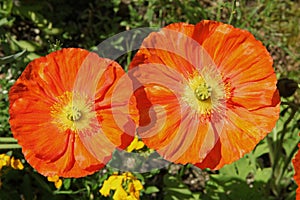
column 286, row 163
column 277, row 149
column 219, row 12
column 10, row 146
column 183, row 170
column 233, row 6
column 7, row 139
column 278, row 144
column 69, row 192
column 271, row 152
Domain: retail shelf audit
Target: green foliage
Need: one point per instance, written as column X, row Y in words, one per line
column 175, row 189
column 29, row 30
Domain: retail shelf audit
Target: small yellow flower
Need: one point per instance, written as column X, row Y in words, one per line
column 120, row 194
column 135, row 145
column 4, row 160
column 56, row 180
column 112, row 183
column 58, row 183
column 137, row 185
column 16, row 164
column 126, row 186
column 105, row 188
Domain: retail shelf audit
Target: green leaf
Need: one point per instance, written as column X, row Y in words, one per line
column 263, row 175
column 11, row 58
column 3, row 21
column 243, row 167
column 67, row 183
column 289, row 144
column 183, row 191
column 260, row 149
column 28, row 45
column 175, row 189
column 26, row 187
column 52, row 31
column 239, row 169
column 6, row 7
column 8, row 195
column 31, row 13
column 151, row 189
column 41, row 182
column 228, row 171
column 32, row 56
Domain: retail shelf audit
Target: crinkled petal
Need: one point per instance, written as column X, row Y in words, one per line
column 296, row 163
column 249, row 102
column 51, row 147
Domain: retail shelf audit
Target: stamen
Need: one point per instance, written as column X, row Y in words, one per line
column 205, row 93
column 73, row 111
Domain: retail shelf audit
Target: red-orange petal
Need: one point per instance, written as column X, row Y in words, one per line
column 162, row 50
column 296, row 163
column 50, row 148
column 249, row 109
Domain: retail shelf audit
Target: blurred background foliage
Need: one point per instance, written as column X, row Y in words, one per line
column 30, row 29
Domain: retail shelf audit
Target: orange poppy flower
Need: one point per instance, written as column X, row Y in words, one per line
column 61, row 113
column 296, row 163
column 207, row 93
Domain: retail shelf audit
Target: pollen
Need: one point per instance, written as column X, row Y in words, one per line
column 73, row 111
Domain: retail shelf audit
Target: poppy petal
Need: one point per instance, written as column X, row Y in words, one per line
column 56, row 111
column 226, row 78
column 296, row 163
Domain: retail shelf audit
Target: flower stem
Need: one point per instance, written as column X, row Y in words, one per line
column 287, row 162
column 233, row 11
column 8, row 139
column 69, row 191
column 9, row 146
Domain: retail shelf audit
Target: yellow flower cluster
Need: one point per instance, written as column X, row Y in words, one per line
column 135, row 145
column 56, row 180
column 8, row 161
column 126, row 186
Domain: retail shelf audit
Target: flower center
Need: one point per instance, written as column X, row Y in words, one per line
column 203, row 91
column 74, row 114
column 73, row 111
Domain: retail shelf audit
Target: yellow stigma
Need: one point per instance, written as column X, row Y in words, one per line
column 203, row 91
column 73, row 111
column 74, row 114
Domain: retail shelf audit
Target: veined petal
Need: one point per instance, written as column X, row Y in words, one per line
column 159, row 127
column 296, row 163
column 256, row 94
column 183, row 138
column 164, row 51
column 57, row 108
column 84, row 158
column 240, row 135
column 227, row 81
